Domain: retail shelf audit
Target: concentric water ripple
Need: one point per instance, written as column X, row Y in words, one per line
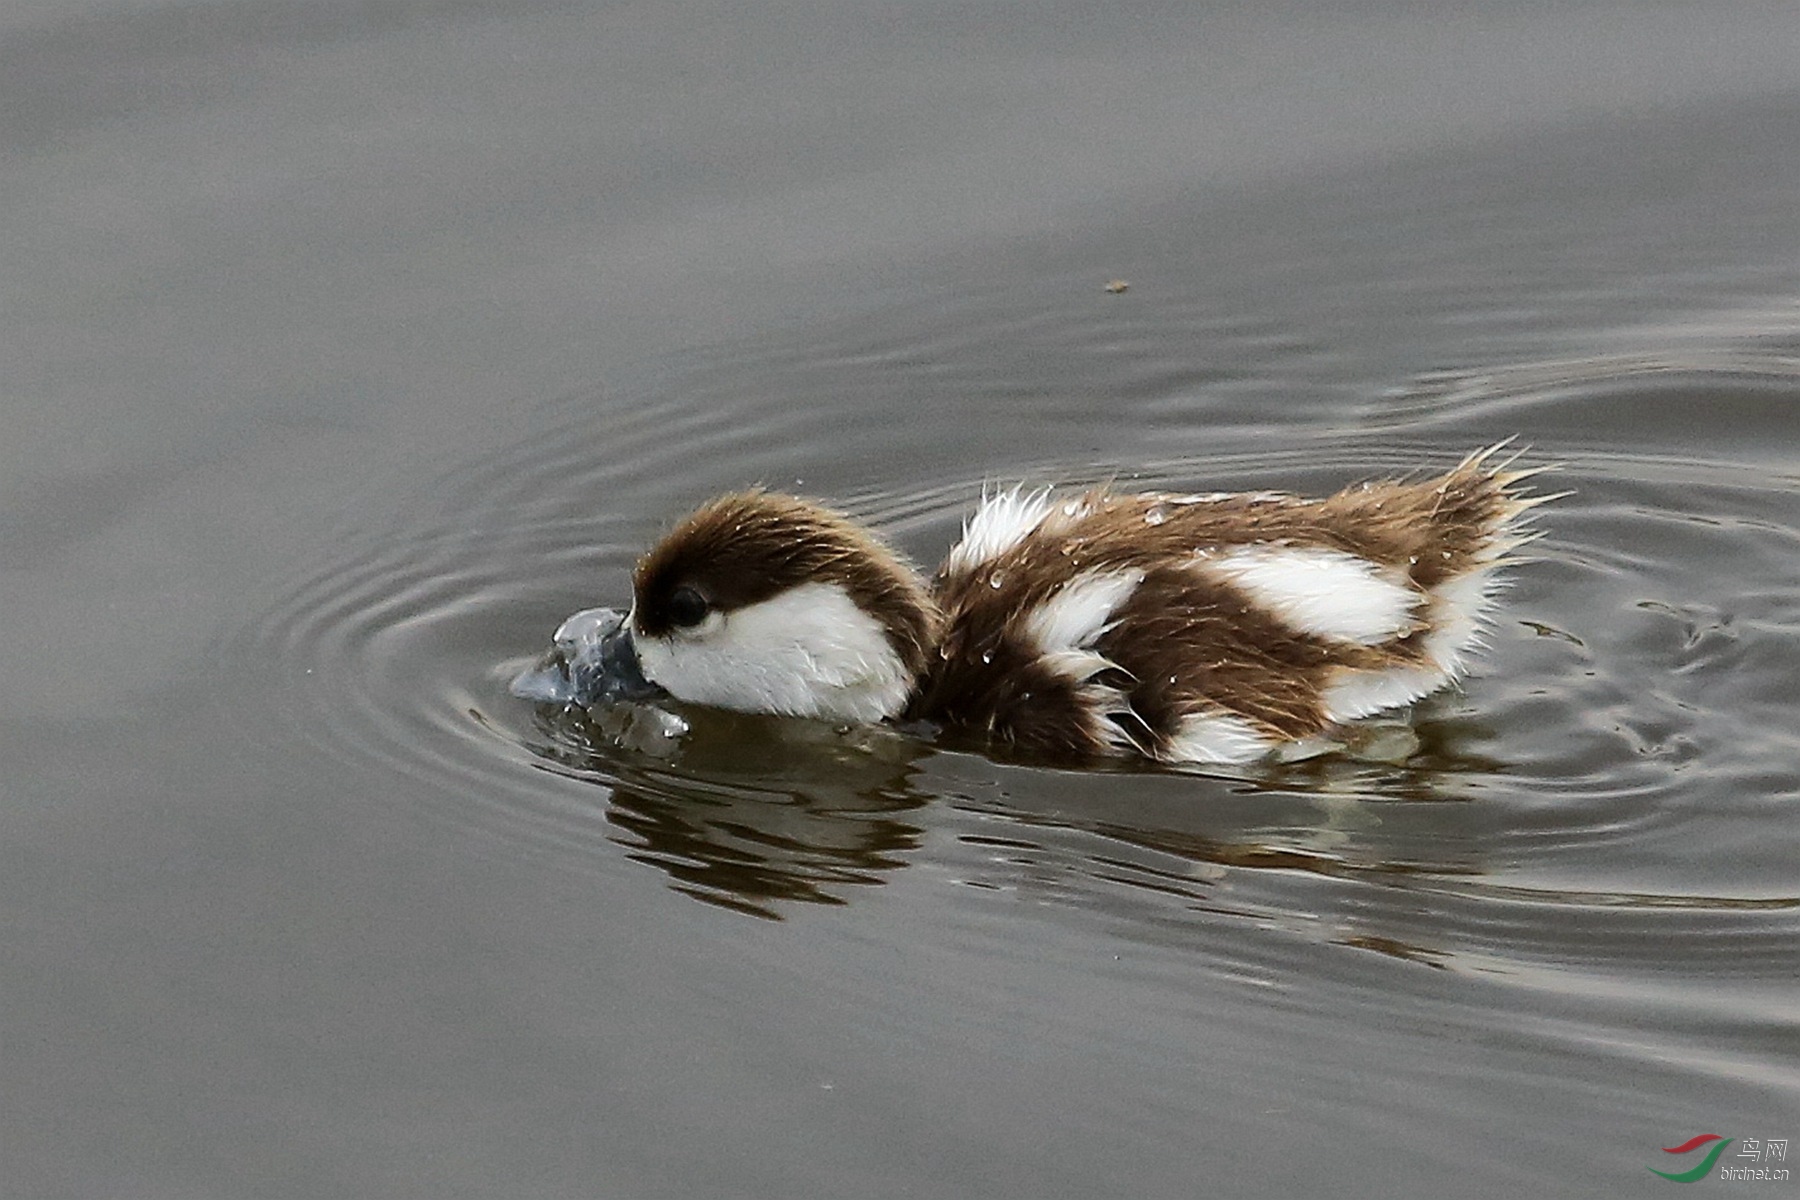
column 1622, row 752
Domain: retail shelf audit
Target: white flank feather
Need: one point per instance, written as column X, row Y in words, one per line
column 1354, row 694
column 1218, row 739
column 1002, row 522
column 1458, row 615
column 1327, row 593
column 1080, row 611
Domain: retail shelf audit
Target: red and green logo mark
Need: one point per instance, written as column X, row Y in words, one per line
column 1688, row 1147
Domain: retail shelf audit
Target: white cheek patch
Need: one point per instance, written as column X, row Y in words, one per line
column 1002, row 522
column 1074, row 617
column 1327, row 593
column 808, row 652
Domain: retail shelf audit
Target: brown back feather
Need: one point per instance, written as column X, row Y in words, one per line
column 1192, row 644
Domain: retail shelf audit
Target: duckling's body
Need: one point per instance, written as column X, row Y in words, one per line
column 1203, row 629
column 1213, row 628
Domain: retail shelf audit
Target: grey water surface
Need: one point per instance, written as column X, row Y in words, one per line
column 349, row 345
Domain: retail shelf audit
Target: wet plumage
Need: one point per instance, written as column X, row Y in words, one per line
column 1195, row 628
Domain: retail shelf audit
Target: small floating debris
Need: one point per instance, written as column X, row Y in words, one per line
column 1115, row 286
column 1551, row 631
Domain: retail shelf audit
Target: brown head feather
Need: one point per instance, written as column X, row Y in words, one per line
column 749, row 546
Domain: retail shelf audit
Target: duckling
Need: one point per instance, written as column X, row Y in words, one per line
column 1209, row 629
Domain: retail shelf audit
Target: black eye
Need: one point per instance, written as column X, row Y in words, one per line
column 687, row 607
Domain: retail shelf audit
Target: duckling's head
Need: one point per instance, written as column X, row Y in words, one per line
column 762, row 602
